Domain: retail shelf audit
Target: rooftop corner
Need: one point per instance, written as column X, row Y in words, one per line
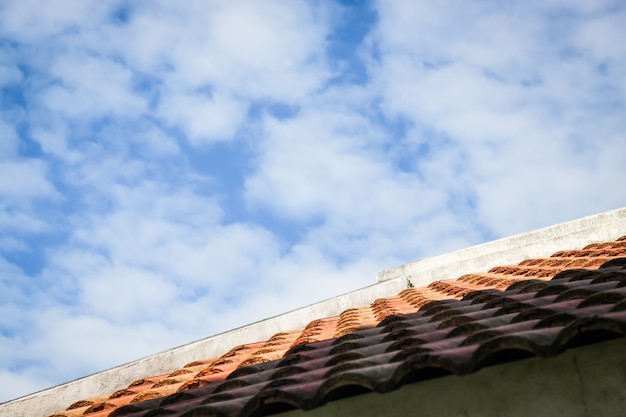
column 511, row 250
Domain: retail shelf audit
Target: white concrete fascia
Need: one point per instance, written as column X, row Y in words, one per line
column 512, row 250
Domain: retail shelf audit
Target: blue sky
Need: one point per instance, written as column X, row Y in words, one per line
column 170, row 170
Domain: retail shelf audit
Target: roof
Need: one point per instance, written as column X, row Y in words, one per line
column 606, row 226
column 540, row 306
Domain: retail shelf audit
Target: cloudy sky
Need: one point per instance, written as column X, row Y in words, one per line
column 173, row 169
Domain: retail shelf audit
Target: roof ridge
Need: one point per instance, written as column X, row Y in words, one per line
column 453, row 336
column 350, row 320
column 596, row 229
column 579, row 233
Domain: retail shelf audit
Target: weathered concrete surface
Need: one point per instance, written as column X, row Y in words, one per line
column 512, row 250
column 571, row 235
column 585, row 382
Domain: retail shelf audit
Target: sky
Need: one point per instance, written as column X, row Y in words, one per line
column 174, row 169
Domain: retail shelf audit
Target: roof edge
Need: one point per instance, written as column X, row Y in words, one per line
column 543, row 242
column 538, row 243
column 55, row 399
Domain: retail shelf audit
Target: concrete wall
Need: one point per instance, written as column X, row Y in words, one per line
column 571, row 235
column 585, row 382
column 512, row 250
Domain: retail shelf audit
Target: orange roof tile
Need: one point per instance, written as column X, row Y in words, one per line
column 455, row 325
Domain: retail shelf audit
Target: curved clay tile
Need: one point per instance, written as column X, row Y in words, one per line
column 223, row 369
column 304, row 341
column 146, row 381
column 382, row 308
column 317, row 330
column 98, row 407
column 353, row 319
column 399, row 305
column 453, row 288
column 182, row 371
column 146, row 395
column 84, row 403
column 164, row 382
column 421, row 296
column 122, row 393
column 619, row 243
column 253, row 360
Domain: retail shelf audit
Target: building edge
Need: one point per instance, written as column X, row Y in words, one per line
column 511, row 250
column 538, row 243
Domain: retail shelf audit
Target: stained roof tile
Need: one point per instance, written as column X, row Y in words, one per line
column 539, row 307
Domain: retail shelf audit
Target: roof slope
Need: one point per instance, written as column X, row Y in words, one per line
column 538, row 307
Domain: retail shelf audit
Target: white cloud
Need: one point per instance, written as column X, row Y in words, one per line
column 53, row 142
column 523, row 117
column 8, row 141
column 9, row 74
column 597, row 37
column 10, row 244
column 22, row 221
column 36, row 20
column 155, row 142
column 331, row 168
column 169, row 242
column 76, row 346
column 92, row 87
column 18, row 383
column 164, row 56
column 122, row 293
column 250, row 49
column 25, row 180
column 327, row 163
column 204, row 119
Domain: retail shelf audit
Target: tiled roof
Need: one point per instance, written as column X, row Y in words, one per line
column 538, row 307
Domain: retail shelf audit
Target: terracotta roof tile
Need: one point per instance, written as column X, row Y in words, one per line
column 538, row 307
